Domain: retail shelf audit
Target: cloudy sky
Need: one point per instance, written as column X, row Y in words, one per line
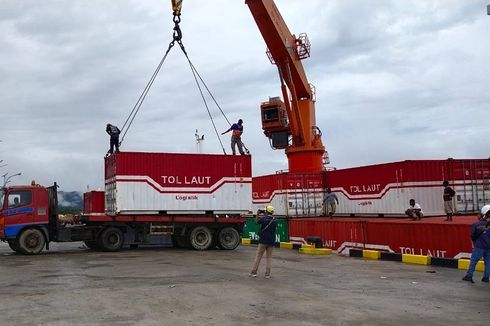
column 395, row 80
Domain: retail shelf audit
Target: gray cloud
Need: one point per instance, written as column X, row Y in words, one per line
column 395, row 80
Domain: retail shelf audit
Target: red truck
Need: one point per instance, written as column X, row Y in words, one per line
column 190, row 200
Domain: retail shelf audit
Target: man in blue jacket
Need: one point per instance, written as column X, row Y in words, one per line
column 267, row 240
column 480, row 235
column 236, row 136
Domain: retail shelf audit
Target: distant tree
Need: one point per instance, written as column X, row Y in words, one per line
column 69, row 210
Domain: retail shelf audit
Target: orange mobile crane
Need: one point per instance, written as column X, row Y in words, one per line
column 290, row 123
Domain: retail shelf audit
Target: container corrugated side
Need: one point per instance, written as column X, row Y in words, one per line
column 429, row 239
column 432, row 237
column 335, row 234
column 269, row 190
column 173, row 183
column 385, row 189
column 291, row 194
column 93, row 202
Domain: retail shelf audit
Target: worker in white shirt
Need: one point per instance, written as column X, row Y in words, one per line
column 414, row 211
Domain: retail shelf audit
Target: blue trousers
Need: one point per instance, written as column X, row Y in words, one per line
column 476, row 255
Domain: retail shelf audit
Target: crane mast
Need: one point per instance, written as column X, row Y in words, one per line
column 290, row 123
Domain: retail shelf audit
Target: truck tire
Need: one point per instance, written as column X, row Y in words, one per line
column 201, row 238
column 228, row 238
column 31, row 241
column 92, row 244
column 14, row 245
column 111, row 239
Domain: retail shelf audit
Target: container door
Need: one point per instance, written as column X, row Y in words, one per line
column 473, row 188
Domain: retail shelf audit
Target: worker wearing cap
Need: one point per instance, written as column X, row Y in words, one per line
column 236, row 136
column 114, row 132
column 267, row 240
column 447, row 197
column 480, row 235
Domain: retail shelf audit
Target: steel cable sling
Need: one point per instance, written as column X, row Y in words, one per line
column 137, row 106
column 177, row 37
column 196, row 75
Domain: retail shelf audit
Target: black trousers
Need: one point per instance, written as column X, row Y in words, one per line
column 114, row 143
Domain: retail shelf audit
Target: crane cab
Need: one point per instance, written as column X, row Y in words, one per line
column 275, row 122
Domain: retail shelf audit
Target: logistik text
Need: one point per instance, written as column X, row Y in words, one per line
column 186, row 180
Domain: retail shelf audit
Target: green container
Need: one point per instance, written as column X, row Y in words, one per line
column 251, row 229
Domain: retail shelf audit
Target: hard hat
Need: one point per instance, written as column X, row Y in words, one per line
column 269, row 209
column 485, row 209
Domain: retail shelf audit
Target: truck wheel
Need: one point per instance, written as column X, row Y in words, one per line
column 14, row 245
column 92, row 244
column 228, row 238
column 111, row 239
column 31, row 242
column 201, row 238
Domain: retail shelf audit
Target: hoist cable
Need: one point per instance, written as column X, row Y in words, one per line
column 142, row 97
column 195, row 74
column 210, row 94
column 177, row 37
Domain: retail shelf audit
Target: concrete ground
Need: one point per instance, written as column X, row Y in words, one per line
column 74, row 286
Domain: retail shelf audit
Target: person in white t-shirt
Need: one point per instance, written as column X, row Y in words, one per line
column 414, row 211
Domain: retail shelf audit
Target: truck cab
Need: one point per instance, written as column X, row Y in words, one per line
column 25, row 217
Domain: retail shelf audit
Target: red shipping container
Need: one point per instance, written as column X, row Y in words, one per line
column 335, row 234
column 385, row 189
column 291, row 194
column 93, row 202
column 169, row 183
column 431, row 237
column 435, row 239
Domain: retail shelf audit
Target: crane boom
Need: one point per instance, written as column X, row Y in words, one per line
column 289, row 124
column 281, row 42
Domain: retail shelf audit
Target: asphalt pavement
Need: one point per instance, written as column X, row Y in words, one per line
column 70, row 285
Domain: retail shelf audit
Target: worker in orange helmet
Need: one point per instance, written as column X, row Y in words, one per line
column 236, row 136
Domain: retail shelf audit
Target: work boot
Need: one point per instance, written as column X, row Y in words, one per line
column 485, row 279
column 468, row 279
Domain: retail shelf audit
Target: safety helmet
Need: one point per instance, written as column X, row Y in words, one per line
column 269, row 209
column 484, row 210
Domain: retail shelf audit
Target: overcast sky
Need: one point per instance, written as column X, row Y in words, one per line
column 395, row 80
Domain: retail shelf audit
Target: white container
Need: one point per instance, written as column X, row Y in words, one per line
column 166, row 183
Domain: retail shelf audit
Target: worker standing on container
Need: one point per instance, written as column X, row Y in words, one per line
column 448, row 200
column 267, row 240
column 330, row 203
column 414, row 210
column 114, row 132
column 236, row 136
column 480, row 235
